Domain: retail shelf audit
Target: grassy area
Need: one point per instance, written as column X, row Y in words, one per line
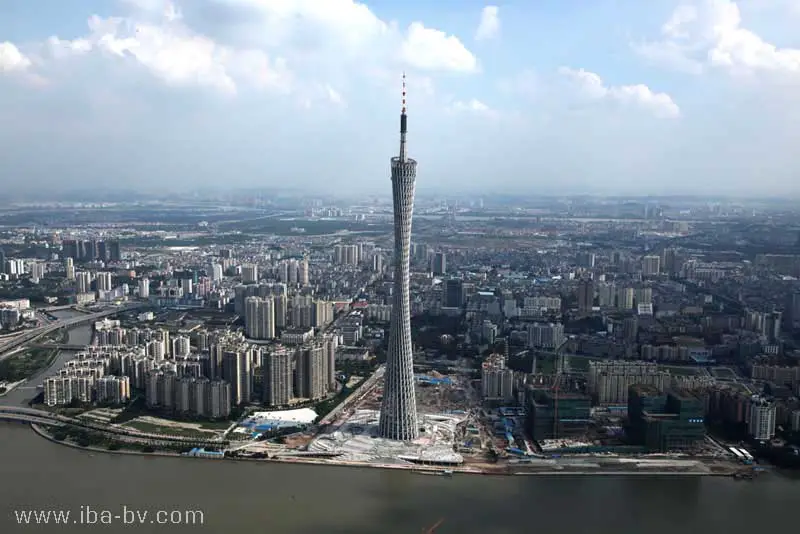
column 170, row 430
column 86, row 438
column 215, row 425
column 59, row 336
column 723, row 372
column 25, row 364
column 580, row 364
column 679, row 370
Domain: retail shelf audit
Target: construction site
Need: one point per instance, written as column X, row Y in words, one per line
column 556, row 431
column 443, row 407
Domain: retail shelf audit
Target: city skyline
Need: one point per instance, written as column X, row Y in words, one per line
column 398, row 418
column 627, row 97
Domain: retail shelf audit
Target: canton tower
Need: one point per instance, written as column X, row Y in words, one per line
column 398, row 419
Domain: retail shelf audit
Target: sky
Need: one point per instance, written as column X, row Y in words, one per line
column 519, row 97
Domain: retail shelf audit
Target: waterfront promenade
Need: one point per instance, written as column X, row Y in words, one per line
column 627, row 467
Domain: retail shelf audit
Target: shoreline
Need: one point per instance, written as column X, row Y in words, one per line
column 414, row 469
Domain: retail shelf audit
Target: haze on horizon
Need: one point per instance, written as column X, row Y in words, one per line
column 608, row 96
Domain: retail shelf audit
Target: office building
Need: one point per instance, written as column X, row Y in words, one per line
column 664, row 422
column 556, row 415
column 453, row 293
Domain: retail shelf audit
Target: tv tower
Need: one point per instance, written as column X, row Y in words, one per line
column 398, row 419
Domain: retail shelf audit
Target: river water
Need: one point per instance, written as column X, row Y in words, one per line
column 81, row 335
column 248, row 497
column 251, row 497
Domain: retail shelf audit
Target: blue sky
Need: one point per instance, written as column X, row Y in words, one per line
column 556, row 96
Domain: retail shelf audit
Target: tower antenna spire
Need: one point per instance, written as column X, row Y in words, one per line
column 403, row 124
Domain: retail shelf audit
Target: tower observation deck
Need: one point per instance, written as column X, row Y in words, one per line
column 398, row 418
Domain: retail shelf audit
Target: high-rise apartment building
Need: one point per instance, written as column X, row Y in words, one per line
column 651, row 265
column 259, row 318
column 585, row 260
column 249, row 273
column 83, row 282
column 69, row 267
column 761, row 424
column 103, row 281
column 585, row 296
column 497, row 382
column 610, row 381
column 276, row 365
column 311, row 377
column 303, row 273
column 545, row 335
column 237, row 371
column 439, row 264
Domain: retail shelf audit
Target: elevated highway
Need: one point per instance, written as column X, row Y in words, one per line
column 27, row 337
column 57, row 308
column 59, row 346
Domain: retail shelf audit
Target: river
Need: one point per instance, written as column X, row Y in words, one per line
column 81, row 335
column 286, row 499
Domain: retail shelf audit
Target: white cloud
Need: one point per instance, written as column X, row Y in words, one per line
column 430, row 49
column 489, row 26
column 334, row 95
column 285, row 46
column 472, row 105
column 322, row 33
column 709, row 33
column 11, row 59
column 133, row 98
column 591, row 86
column 175, row 54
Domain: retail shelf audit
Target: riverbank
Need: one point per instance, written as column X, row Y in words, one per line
column 49, row 437
column 420, row 469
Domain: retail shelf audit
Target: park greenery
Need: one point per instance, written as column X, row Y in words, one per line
column 87, row 438
column 25, row 364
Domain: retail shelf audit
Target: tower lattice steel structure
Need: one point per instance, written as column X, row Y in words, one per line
column 399, row 406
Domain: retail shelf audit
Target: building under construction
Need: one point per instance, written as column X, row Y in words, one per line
column 553, row 414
